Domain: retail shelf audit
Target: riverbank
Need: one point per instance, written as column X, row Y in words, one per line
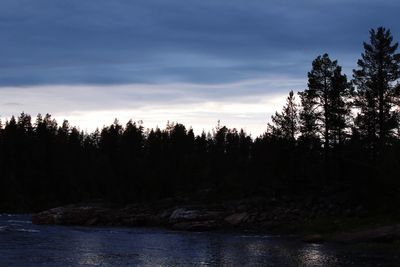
column 313, row 221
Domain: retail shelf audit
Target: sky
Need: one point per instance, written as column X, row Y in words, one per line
column 189, row 61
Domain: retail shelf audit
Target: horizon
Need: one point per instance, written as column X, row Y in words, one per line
column 194, row 63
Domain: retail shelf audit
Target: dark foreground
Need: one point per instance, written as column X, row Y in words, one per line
column 25, row 244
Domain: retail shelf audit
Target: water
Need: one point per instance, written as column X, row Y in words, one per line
column 24, row 244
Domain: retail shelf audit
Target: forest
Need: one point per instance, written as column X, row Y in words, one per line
column 339, row 136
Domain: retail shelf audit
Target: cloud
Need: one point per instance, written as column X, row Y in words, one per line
column 153, row 41
column 12, row 104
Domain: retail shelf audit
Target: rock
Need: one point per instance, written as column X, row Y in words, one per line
column 182, row 214
column 380, row 234
column 92, row 221
column 165, row 214
column 314, row 238
column 237, row 218
column 194, row 219
column 74, row 215
column 191, row 214
column 51, row 216
column 247, row 214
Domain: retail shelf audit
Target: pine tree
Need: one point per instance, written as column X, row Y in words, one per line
column 308, row 117
column 285, row 124
column 325, row 103
column 340, row 98
column 377, row 93
column 24, row 123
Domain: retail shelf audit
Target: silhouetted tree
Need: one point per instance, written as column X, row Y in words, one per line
column 285, row 124
column 308, row 119
column 326, row 101
column 377, row 93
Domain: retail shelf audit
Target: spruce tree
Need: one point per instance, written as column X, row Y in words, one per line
column 285, row 124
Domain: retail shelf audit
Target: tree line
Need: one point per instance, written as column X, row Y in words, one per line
column 341, row 138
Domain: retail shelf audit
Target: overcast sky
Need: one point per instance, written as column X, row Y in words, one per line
column 191, row 61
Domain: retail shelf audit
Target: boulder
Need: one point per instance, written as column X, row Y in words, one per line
column 52, row 216
column 182, row 214
column 191, row 214
column 237, row 218
column 195, row 219
column 74, row 215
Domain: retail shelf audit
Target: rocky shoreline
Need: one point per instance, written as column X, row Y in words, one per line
column 256, row 214
column 189, row 217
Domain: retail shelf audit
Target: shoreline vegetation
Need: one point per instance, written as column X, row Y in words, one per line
column 328, row 162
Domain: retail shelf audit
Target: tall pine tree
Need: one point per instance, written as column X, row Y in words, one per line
column 376, row 93
column 325, row 103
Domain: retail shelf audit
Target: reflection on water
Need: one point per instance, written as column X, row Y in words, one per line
column 314, row 255
column 79, row 246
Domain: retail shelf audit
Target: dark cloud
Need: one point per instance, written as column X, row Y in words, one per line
column 12, row 104
column 195, row 41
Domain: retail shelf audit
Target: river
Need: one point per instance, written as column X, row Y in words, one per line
column 25, row 244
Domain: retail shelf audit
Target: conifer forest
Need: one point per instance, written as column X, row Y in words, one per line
column 338, row 136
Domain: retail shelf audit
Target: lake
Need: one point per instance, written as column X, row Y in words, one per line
column 25, row 244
